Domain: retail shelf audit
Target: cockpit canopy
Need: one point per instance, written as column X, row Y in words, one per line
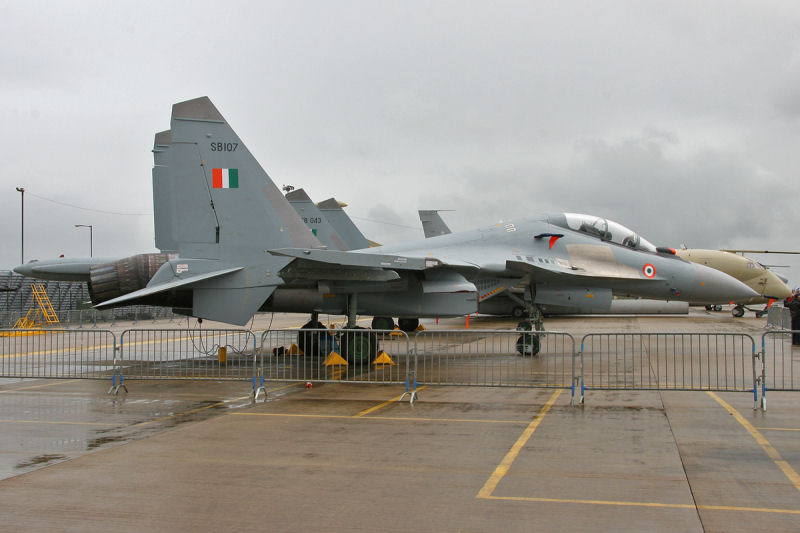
column 602, row 228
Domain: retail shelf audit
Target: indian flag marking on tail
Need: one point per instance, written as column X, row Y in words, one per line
column 225, row 178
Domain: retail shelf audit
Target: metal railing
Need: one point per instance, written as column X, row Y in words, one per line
column 780, row 363
column 779, row 317
column 57, row 353
column 496, row 358
column 357, row 355
column 668, row 361
column 220, row 354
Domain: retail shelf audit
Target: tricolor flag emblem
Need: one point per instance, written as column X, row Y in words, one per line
column 225, row 178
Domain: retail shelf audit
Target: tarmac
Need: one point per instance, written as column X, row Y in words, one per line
column 200, row 456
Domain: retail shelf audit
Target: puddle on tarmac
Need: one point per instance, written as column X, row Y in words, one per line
column 40, row 460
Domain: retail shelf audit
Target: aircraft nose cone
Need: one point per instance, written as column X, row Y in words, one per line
column 712, row 286
column 25, row 269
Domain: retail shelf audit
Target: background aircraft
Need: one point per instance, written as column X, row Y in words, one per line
column 768, row 285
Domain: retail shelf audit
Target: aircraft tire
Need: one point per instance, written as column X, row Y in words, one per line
column 518, row 311
column 309, row 341
column 528, row 344
column 383, row 322
column 738, row 311
column 408, row 324
column 359, row 347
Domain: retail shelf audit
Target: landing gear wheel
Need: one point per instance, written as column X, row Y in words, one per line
column 518, row 311
column 359, row 347
column 528, row 344
column 716, row 308
column 383, row 322
column 309, row 341
column 738, row 311
column 408, row 324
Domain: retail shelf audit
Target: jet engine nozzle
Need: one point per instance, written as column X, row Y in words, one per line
column 117, row 278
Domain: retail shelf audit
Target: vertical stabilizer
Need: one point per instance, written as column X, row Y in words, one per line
column 432, row 223
column 163, row 195
column 223, row 198
column 221, row 212
column 314, row 219
column 344, row 226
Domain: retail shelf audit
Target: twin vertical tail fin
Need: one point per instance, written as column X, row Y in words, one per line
column 211, row 194
column 216, row 207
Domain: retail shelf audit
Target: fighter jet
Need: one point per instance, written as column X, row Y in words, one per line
column 241, row 248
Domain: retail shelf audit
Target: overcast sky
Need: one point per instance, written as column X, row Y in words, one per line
column 677, row 119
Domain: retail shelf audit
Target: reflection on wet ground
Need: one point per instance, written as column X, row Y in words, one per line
column 43, row 422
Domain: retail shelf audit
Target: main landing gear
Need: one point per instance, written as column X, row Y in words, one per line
column 529, row 343
column 356, row 344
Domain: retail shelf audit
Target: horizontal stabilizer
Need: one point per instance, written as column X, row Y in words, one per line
column 168, row 286
column 232, row 306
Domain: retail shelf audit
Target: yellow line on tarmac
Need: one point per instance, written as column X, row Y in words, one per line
column 503, row 468
column 54, row 422
column 62, row 349
column 6, row 391
column 384, row 404
column 647, row 504
column 392, row 418
column 773, row 454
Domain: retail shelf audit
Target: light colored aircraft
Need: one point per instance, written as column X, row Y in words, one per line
column 767, row 285
column 241, row 248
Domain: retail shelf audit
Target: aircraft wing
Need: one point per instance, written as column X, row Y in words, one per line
column 364, row 260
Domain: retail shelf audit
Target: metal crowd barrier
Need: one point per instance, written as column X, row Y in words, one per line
column 57, row 353
column 779, row 317
column 495, row 358
column 604, row 361
column 668, row 361
column 219, row 354
column 780, row 363
column 354, row 355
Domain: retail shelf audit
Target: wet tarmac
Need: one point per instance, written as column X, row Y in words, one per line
column 176, row 455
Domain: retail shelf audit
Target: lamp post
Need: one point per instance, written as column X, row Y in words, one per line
column 90, row 235
column 21, row 190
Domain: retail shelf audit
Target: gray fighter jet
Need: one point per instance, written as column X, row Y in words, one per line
column 241, row 248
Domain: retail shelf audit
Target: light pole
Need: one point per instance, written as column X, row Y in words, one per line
column 21, row 190
column 90, row 235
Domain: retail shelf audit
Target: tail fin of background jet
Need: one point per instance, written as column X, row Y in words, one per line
column 344, row 226
column 314, row 219
column 432, row 223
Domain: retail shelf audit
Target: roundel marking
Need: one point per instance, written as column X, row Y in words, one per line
column 649, row 271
